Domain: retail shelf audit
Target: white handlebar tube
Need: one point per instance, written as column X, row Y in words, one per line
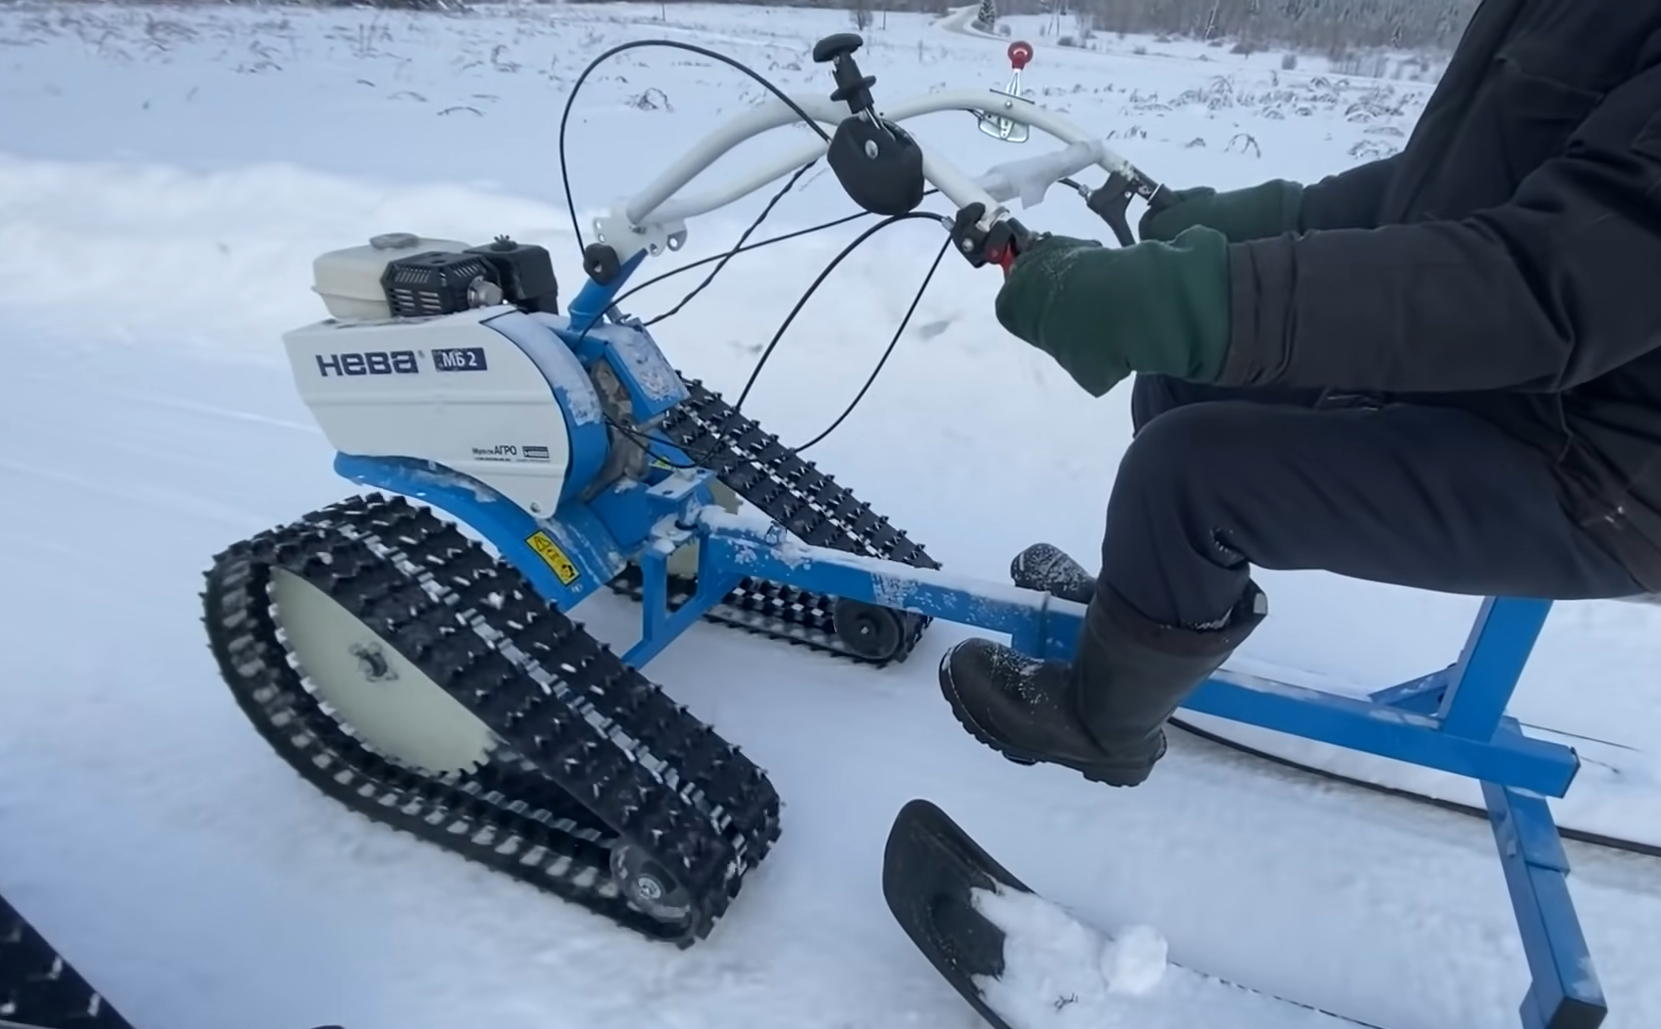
column 654, row 219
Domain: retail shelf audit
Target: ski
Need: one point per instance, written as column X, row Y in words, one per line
column 1023, row 963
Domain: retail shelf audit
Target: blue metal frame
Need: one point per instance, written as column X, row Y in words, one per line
column 593, row 300
column 1452, row 719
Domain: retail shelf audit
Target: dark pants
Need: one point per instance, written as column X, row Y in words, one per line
column 1428, row 497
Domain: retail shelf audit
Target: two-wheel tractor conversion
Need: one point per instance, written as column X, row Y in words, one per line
column 443, row 688
column 410, row 675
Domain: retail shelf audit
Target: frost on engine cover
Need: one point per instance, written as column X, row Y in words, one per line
column 460, row 390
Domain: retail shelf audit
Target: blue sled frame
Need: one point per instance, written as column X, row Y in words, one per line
column 1453, row 719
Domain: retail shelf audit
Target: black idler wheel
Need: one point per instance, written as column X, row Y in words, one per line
column 871, row 632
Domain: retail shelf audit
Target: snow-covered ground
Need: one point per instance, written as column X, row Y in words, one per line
column 167, row 175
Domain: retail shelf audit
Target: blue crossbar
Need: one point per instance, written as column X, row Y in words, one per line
column 1452, row 719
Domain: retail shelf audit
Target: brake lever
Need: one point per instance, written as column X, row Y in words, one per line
column 1003, row 255
column 998, row 244
column 1111, row 201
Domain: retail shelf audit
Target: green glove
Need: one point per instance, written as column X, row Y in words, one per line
column 1257, row 212
column 1105, row 313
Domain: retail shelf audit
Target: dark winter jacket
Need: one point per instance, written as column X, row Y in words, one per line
column 1508, row 260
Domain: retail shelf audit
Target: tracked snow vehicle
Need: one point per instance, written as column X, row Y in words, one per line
column 439, row 684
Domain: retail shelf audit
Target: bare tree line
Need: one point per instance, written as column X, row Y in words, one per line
column 1330, row 26
column 1333, row 27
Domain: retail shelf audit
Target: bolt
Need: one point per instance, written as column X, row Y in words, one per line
column 648, row 888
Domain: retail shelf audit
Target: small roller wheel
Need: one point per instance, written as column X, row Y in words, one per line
column 648, row 885
column 872, row 632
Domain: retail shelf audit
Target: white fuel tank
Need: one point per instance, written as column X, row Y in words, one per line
column 349, row 280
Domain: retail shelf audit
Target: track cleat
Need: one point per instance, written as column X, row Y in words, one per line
column 1048, row 569
column 752, row 464
column 1027, row 710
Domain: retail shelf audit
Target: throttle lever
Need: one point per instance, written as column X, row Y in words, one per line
column 1005, row 241
column 999, row 244
column 1111, row 201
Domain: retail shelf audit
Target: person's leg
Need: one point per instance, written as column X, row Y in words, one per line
column 1426, row 497
column 1432, row 498
column 1153, row 395
column 1046, row 568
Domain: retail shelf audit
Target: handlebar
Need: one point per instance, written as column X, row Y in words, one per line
column 654, row 219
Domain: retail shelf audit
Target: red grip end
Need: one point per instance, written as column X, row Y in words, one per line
column 1020, row 54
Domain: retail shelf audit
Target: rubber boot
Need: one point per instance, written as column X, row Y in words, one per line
column 1103, row 714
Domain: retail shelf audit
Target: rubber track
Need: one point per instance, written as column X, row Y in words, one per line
column 792, row 491
column 39, row 988
column 557, row 698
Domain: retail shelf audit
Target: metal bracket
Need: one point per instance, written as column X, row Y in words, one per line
column 653, row 237
column 997, row 126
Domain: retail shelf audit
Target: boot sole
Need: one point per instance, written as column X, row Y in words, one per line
column 1009, row 753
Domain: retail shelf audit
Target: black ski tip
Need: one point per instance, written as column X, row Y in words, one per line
column 930, row 867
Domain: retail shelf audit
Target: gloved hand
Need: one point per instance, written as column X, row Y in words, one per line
column 1104, row 313
column 1257, row 212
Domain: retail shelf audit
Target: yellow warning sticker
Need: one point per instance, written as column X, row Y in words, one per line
column 549, row 551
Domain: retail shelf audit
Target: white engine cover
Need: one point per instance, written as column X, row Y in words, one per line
column 349, row 280
column 452, row 390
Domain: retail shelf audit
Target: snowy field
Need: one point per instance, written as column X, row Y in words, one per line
column 167, row 176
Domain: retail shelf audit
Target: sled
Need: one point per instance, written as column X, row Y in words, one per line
column 410, row 652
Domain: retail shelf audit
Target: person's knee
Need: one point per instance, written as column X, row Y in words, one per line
column 1155, row 395
column 1187, row 451
column 1167, row 547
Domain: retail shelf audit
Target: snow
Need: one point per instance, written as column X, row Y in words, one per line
column 656, row 379
column 168, row 174
column 1029, row 179
column 1134, row 961
column 1059, row 971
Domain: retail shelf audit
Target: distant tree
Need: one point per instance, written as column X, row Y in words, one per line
column 1345, row 30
